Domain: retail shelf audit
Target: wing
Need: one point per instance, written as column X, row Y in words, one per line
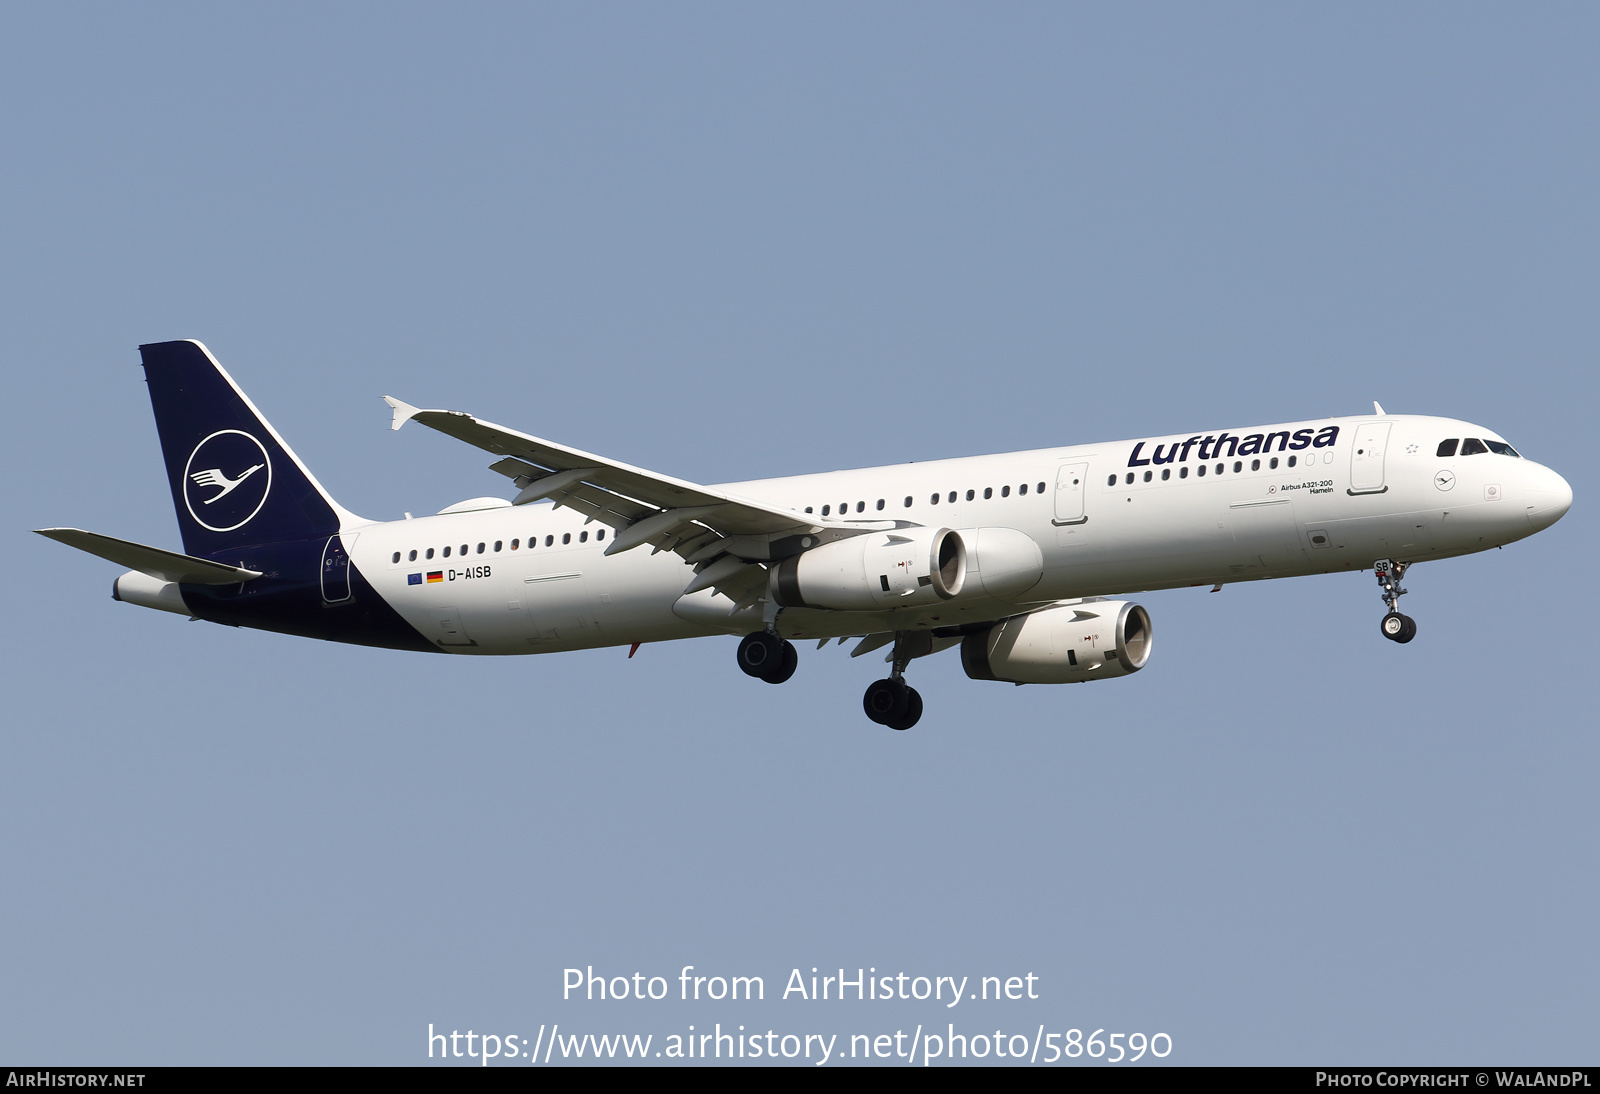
column 709, row 527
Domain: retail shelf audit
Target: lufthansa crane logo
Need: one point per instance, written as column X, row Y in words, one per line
column 227, row 479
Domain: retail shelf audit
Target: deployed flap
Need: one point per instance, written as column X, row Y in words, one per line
column 611, row 492
column 166, row 565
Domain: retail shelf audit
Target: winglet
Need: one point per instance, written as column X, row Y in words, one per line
column 403, row 411
column 1376, row 409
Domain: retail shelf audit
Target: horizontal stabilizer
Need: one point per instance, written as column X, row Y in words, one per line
column 166, row 565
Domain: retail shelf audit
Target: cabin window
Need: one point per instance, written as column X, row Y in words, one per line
column 1238, row 466
column 1200, row 471
column 480, row 548
column 988, row 492
column 1472, row 447
column 1005, row 491
column 952, row 498
column 1219, row 468
column 1023, row 489
column 1112, row 481
column 908, row 501
column 600, row 534
column 515, row 544
column 566, row 537
column 583, row 537
column 430, row 552
column 497, row 545
column 826, row 509
column 933, row 500
column 464, row 548
column 1166, row 473
column 1291, row 461
column 549, row 541
column 1041, row 488
column 413, row 556
column 447, row 552
column 396, row 557
column 1147, row 474
column 880, row 505
column 808, row 508
column 1183, row 472
column 1448, row 448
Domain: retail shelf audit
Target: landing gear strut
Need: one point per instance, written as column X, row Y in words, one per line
column 893, row 702
column 1395, row 626
column 768, row 657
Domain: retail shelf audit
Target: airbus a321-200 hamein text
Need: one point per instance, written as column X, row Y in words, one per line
column 1017, row 559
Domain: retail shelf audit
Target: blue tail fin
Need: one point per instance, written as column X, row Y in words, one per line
column 234, row 481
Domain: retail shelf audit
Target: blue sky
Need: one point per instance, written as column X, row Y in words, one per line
column 729, row 242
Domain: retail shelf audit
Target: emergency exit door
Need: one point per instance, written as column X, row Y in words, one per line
column 1071, row 480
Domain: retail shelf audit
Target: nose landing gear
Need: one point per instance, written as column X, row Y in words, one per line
column 1395, row 626
column 893, row 702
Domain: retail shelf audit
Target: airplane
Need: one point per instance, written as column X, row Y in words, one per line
column 1019, row 558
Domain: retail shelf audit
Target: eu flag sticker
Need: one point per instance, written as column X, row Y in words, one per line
column 413, row 579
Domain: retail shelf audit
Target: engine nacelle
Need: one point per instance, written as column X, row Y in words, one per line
column 1001, row 562
column 1069, row 644
column 907, row 567
column 134, row 587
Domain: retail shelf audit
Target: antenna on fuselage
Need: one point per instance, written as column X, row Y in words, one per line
column 1378, row 410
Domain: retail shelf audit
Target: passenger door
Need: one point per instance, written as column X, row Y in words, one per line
column 1366, row 458
column 335, row 571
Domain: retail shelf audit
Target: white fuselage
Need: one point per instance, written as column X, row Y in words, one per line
column 534, row 578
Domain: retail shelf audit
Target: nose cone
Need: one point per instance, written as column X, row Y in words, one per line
column 1549, row 498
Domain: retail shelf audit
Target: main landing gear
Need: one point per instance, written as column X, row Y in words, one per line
column 893, row 702
column 768, row 657
column 1395, row 626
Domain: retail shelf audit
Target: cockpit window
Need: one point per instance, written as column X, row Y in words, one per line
column 1500, row 448
column 1448, row 448
column 1472, row 447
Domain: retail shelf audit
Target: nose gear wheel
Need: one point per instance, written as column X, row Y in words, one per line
column 1395, row 626
column 1398, row 628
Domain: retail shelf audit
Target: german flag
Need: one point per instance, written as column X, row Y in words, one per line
column 435, row 575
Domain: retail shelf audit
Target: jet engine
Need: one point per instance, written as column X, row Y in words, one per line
column 1067, row 644
column 1001, row 562
column 134, row 587
column 906, row 567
